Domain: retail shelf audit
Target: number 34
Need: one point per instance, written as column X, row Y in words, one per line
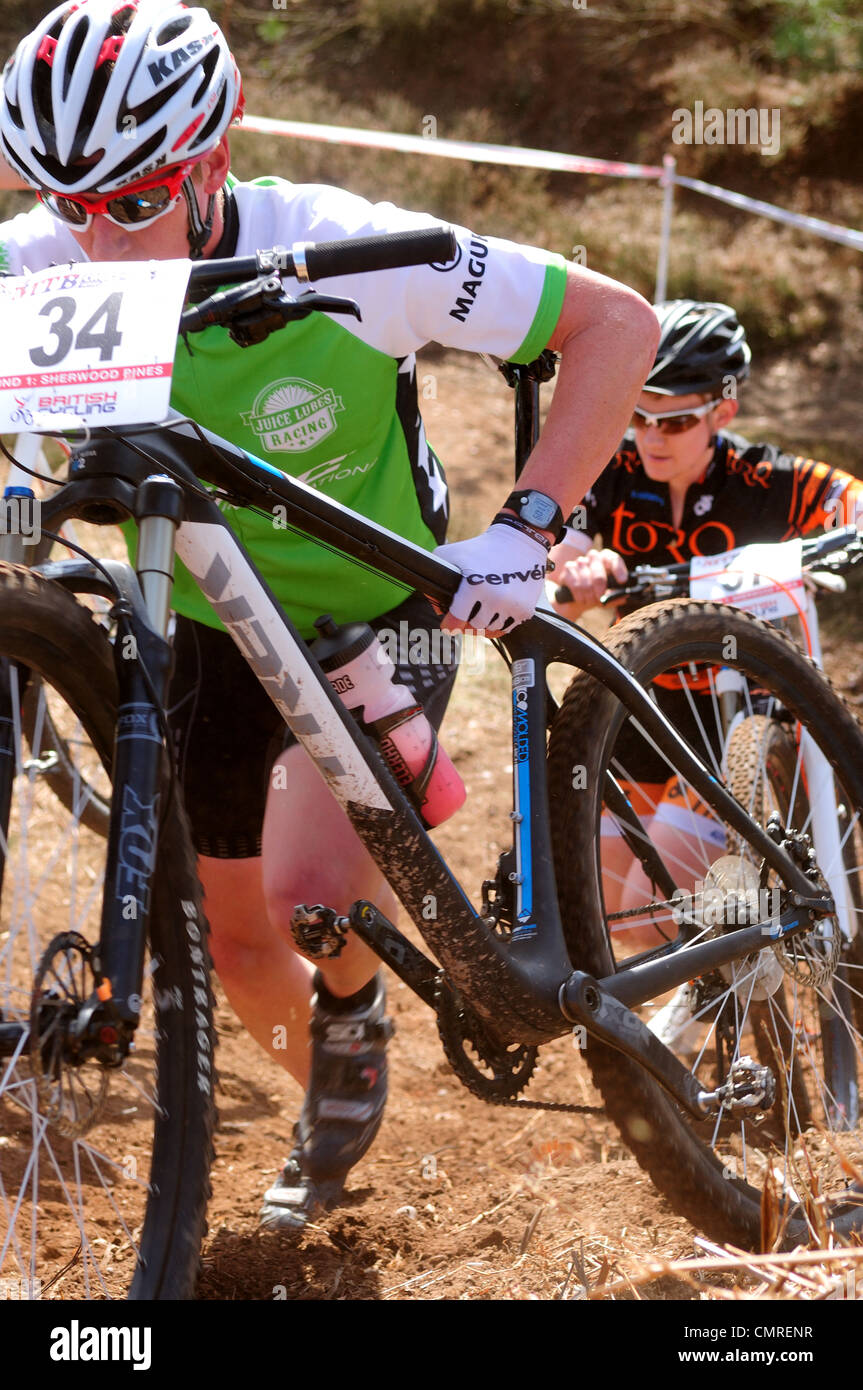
column 61, row 328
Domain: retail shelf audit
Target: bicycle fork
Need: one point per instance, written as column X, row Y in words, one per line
column 142, row 659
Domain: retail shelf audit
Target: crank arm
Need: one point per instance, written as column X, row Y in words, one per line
column 750, row 1088
column 645, row 982
column 414, row 968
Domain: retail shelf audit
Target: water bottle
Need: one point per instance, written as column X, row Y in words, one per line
column 363, row 676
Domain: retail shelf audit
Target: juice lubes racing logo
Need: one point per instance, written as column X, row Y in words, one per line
column 292, row 415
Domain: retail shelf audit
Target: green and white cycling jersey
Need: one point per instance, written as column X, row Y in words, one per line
column 332, row 400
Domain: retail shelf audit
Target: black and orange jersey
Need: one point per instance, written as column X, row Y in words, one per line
column 748, row 493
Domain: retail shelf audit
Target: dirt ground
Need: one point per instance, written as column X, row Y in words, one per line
column 456, row 1200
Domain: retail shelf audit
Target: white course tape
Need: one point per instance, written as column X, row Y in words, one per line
column 515, row 157
column 452, row 149
column 845, row 235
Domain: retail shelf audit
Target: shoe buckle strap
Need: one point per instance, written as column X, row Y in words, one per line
column 292, row 1197
column 357, row 1111
column 346, row 1033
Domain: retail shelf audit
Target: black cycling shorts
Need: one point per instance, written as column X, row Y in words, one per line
column 694, row 718
column 227, row 733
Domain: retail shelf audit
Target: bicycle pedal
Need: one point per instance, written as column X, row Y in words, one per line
column 749, row 1090
column 319, row 931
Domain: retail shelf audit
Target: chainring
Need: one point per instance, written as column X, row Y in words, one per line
column 488, row 1068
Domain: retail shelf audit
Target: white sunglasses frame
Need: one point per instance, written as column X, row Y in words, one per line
column 647, row 421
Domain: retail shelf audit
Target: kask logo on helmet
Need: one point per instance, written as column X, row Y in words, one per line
column 151, row 167
column 162, row 68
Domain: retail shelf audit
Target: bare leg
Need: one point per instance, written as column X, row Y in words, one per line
column 268, row 985
column 311, row 854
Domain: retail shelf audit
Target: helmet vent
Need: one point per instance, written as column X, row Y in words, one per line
column 174, row 29
column 15, row 114
column 148, row 108
column 82, row 28
column 214, row 122
column 135, row 161
column 122, row 18
column 206, row 70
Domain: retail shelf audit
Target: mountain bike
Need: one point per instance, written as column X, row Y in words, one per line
column 107, row 1064
column 781, row 776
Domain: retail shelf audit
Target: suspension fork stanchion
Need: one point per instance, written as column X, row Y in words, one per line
column 826, row 835
column 821, row 789
column 138, row 754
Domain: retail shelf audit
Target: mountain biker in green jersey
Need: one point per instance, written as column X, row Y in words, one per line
column 681, row 484
column 333, row 402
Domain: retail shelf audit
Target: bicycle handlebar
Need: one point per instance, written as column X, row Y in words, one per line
column 325, row 259
column 245, row 294
column 676, row 577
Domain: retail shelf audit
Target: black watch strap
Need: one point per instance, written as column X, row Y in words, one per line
column 538, row 510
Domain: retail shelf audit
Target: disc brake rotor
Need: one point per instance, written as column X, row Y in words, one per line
column 71, row 1091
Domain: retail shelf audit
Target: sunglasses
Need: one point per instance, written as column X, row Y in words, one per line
column 673, row 421
column 137, row 207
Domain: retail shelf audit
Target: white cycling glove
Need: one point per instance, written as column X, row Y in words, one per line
column 504, row 572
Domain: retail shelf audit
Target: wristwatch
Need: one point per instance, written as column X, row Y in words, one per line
column 537, row 510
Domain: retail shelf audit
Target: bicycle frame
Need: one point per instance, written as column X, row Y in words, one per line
column 822, row 792
column 518, row 987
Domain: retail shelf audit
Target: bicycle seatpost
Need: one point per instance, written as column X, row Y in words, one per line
column 525, row 378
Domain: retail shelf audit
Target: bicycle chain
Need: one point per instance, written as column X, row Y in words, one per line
column 456, row 1025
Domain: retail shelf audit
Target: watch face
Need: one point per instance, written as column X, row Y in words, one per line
column 539, row 510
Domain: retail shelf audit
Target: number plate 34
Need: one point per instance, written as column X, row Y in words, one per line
column 90, row 344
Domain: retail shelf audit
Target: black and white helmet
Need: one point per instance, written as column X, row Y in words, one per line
column 700, row 347
column 104, row 93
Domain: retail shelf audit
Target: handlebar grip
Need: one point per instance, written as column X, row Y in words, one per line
column 814, row 547
column 354, row 255
column 562, row 594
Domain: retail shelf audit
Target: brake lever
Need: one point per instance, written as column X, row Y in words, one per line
column 276, row 310
column 310, row 301
column 833, row 582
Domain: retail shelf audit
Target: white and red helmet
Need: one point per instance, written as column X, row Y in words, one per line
column 104, row 93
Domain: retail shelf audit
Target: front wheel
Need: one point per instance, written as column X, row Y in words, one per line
column 104, row 1171
column 794, row 1009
